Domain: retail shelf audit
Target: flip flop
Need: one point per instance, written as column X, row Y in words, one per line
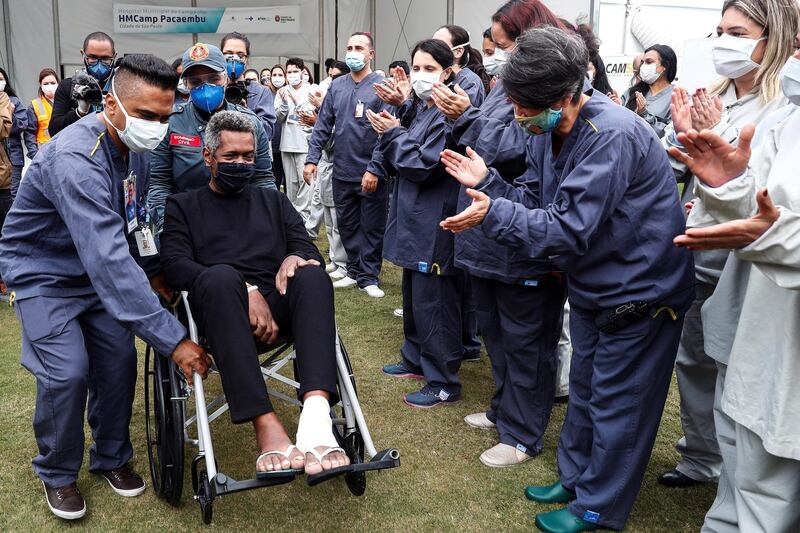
column 330, row 473
column 263, row 474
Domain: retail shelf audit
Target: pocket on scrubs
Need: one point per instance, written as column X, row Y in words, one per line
column 41, row 317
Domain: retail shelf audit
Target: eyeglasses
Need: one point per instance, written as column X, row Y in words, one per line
column 238, row 56
column 213, row 78
column 92, row 60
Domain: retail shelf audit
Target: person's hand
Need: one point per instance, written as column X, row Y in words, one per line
column 287, row 270
column 735, row 234
column 369, row 183
column 641, row 103
column 265, row 329
column 286, row 94
column 158, row 284
column 681, row 109
column 393, row 92
column 83, row 106
column 689, row 206
column 470, row 217
column 614, row 96
column 191, row 357
column 469, row 170
column 452, row 104
column 315, row 98
column 706, row 111
column 308, row 119
column 383, row 121
column 309, row 173
column 714, row 161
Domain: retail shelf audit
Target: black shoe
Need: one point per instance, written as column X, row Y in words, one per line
column 124, row 481
column 65, row 502
column 561, row 399
column 673, row 478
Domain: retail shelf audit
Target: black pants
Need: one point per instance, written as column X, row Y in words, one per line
column 219, row 303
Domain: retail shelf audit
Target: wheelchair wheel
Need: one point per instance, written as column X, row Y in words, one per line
column 164, row 425
column 205, row 498
column 354, row 447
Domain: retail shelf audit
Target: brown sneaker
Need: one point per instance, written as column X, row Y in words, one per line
column 124, row 481
column 65, row 502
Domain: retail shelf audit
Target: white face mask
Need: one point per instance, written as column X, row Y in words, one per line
column 491, row 66
column 49, row 89
column 790, row 80
column 139, row 135
column 590, row 76
column 294, row 78
column 278, row 81
column 305, row 77
column 2, row 85
column 649, row 73
column 733, row 56
column 422, row 82
column 182, row 87
column 501, row 58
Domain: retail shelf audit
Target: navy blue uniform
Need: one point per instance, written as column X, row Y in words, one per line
column 605, row 210
column 16, row 152
column 424, row 195
column 361, row 217
column 261, row 101
column 518, row 301
column 472, row 85
column 80, row 297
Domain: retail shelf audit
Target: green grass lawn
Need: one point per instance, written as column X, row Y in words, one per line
column 441, row 485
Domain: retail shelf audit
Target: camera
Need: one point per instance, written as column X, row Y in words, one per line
column 236, row 93
column 85, row 87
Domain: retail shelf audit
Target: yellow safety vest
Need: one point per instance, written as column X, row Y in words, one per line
column 43, row 111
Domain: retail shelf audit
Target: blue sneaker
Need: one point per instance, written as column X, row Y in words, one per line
column 400, row 370
column 428, row 397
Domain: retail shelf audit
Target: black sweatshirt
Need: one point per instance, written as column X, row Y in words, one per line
column 253, row 232
column 64, row 108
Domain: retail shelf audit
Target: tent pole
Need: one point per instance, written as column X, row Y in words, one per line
column 8, row 48
column 321, row 52
column 373, row 17
column 451, row 9
column 194, row 35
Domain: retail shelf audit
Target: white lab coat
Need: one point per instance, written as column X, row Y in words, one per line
column 761, row 391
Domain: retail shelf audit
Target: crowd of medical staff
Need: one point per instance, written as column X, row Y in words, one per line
column 532, row 206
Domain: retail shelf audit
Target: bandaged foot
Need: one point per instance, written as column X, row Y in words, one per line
column 315, row 437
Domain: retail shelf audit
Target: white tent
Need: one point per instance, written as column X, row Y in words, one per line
column 49, row 33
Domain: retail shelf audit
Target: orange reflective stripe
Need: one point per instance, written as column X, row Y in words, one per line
column 44, row 111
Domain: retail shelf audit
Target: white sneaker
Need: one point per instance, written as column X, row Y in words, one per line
column 331, row 267
column 479, row 421
column 374, row 291
column 503, row 455
column 338, row 274
column 345, row 282
column 398, row 313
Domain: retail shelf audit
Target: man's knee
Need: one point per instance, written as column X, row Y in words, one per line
column 311, row 276
column 218, row 279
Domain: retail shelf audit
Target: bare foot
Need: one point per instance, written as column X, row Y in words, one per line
column 330, row 461
column 271, row 436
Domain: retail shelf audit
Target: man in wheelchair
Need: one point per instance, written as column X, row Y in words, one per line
column 253, row 275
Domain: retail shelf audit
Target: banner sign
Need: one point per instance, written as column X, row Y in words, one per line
column 619, row 70
column 134, row 18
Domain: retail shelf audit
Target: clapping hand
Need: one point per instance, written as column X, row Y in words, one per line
column 469, row 170
column 735, row 234
column 453, row 103
column 383, row 121
column 714, row 161
column 470, row 217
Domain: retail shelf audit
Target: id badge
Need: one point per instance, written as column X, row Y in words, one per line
column 129, row 193
column 145, row 242
column 360, row 109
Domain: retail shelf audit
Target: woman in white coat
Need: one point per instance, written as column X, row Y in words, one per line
column 761, row 394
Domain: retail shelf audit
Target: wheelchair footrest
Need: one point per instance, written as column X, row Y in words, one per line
column 223, row 484
column 381, row 461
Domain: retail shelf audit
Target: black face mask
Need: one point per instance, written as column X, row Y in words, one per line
column 232, row 177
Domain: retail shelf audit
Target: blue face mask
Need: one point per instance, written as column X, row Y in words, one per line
column 235, row 68
column 208, row 97
column 545, row 122
column 355, row 61
column 233, row 177
column 99, row 71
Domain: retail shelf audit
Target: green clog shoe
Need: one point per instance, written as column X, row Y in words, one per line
column 555, row 493
column 562, row 521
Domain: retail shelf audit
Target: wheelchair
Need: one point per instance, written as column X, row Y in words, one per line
column 170, row 427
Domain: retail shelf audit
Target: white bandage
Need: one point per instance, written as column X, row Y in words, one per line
column 315, row 427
